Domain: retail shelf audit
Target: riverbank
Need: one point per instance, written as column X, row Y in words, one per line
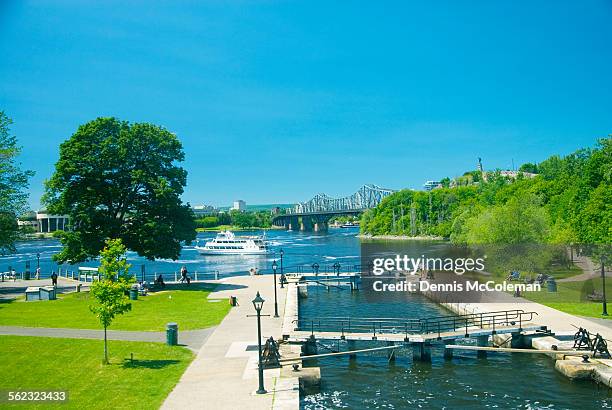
column 400, row 237
column 237, row 228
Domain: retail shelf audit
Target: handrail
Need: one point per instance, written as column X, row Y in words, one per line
column 437, row 324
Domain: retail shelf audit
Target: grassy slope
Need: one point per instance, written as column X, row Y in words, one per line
column 38, row 363
column 571, row 297
column 188, row 306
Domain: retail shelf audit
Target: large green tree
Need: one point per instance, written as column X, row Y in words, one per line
column 13, row 185
column 121, row 180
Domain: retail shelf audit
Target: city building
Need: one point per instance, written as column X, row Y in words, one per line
column 51, row 223
column 203, row 210
column 28, row 220
column 239, row 205
column 429, row 185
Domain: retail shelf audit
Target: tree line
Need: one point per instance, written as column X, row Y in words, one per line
column 568, row 201
column 248, row 219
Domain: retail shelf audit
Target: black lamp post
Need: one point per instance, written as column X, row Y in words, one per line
column 274, row 266
column 37, row 261
column 603, row 280
column 282, row 276
column 337, row 268
column 258, row 303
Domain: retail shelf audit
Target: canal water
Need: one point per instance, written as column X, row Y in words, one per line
column 499, row 381
column 502, row 381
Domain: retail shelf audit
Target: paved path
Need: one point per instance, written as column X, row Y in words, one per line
column 559, row 322
column 192, row 339
column 13, row 289
column 224, row 373
column 589, row 269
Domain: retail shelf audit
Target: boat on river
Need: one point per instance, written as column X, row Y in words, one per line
column 226, row 243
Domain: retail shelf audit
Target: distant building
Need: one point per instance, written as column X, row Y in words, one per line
column 429, row 185
column 50, row 223
column 203, row 210
column 515, row 174
column 239, row 205
column 28, row 220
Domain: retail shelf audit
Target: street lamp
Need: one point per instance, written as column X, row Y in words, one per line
column 603, row 280
column 274, row 266
column 38, row 261
column 258, row 303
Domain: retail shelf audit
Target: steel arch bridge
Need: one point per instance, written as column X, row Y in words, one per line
column 315, row 213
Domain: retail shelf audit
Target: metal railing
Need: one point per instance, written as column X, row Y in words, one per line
column 318, row 268
column 428, row 325
column 176, row 276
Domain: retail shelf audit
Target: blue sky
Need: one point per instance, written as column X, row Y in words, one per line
column 276, row 101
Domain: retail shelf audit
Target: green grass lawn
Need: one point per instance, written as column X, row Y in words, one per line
column 571, row 297
column 186, row 305
column 75, row 365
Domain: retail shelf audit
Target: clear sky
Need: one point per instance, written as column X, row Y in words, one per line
column 276, row 101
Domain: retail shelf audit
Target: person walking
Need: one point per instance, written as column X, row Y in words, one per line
column 184, row 275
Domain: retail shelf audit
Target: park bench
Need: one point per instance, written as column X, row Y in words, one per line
column 596, row 296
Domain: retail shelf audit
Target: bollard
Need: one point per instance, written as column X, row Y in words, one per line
column 171, row 334
column 175, row 278
column 196, row 276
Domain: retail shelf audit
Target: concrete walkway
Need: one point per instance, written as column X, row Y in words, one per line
column 557, row 321
column 11, row 289
column 590, row 270
column 192, row 339
column 224, row 373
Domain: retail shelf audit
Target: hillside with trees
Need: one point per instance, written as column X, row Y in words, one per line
column 568, row 201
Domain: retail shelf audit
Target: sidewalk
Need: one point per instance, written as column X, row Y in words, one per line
column 224, row 373
column 557, row 321
column 192, row 339
column 11, row 289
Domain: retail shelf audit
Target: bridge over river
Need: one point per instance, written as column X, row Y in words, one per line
column 315, row 214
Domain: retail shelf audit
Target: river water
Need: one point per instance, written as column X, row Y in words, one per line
column 300, row 248
column 499, row 381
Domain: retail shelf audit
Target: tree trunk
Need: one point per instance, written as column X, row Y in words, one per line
column 105, row 348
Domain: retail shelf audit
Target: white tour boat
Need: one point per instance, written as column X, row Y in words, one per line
column 226, row 243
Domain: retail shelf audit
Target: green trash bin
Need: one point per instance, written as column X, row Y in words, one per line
column 551, row 284
column 133, row 294
column 172, row 334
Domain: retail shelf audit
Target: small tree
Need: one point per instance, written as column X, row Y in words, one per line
column 110, row 291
